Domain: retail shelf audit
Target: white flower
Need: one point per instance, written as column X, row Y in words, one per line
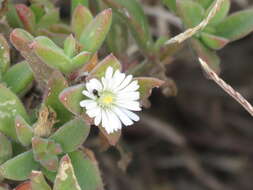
column 112, row 100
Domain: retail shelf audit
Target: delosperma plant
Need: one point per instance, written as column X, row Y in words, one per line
column 82, row 80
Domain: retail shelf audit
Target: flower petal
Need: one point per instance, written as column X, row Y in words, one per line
column 93, row 112
column 87, row 103
column 96, row 84
column 131, row 105
column 128, row 96
column 105, row 122
column 89, row 95
column 122, row 116
column 98, row 118
column 126, row 82
column 109, row 72
column 133, row 86
column 131, row 115
column 114, row 121
column 117, row 79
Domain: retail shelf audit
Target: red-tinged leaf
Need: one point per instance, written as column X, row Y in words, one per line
column 75, row 3
column 24, row 186
column 212, row 41
column 90, row 65
column 71, row 98
column 51, row 54
column 81, row 59
column 99, row 70
column 45, row 152
column 94, row 34
column 56, row 85
column 80, row 20
column 111, row 138
column 26, row 16
column 146, row 85
column 22, row 40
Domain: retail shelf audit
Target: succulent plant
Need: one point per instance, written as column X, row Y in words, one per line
column 42, row 140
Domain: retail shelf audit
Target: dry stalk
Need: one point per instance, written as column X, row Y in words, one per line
column 192, row 31
column 226, row 87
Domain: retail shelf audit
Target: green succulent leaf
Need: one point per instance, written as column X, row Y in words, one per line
column 48, row 4
column 85, row 161
column 134, row 15
column 205, row 3
column 66, row 179
column 206, row 54
column 94, row 34
column 51, row 54
column 119, row 31
column 19, row 168
column 19, row 78
column 76, row 128
column 221, row 14
column 191, row 12
column 50, row 175
column 100, row 69
column 76, row 3
column 81, row 59
column 38, row 11
column 27, row 17
column 236, row 26
column 56, row 84
column 12, row 17
column 71, row 98
column 50, row 18
column 38, row 181
column 24, row 131
column 171, row 4
column 4, row 55
column 70, row 46
column 22, row 41
column 212, row 41
column 80, row 20
column 5, row 148
column 10, row 107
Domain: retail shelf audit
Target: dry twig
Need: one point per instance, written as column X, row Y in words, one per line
column 226, row 87
column 192, row 31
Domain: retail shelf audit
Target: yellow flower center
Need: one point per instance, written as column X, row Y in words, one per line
column 106, row 99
